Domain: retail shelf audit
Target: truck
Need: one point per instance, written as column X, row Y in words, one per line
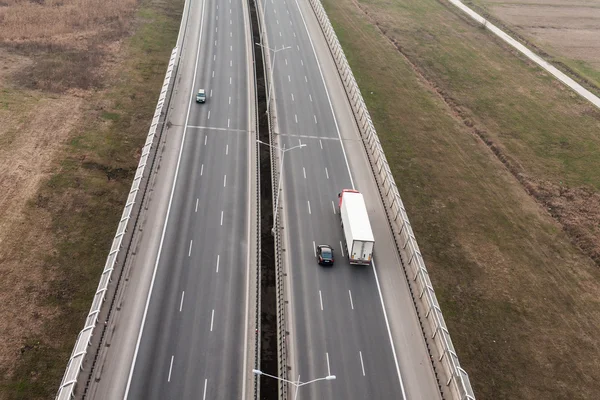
column 356, row 226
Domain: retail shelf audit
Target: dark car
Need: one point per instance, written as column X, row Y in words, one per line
column 324, row 254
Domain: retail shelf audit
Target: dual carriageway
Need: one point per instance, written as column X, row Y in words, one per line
column 187, row 328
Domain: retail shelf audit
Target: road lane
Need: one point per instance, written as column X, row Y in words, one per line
column 202, row 348
column 351, row 340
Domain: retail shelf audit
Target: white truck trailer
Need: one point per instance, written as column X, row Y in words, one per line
column 356, row 226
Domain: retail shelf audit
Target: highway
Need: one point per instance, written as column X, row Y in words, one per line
column 184, row 330
column 339, row 321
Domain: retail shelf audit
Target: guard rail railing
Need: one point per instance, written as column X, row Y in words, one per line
column 80, row 354
column 282, row 359
column 454, row 381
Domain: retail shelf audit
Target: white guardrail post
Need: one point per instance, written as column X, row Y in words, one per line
column 453, row 380
column 72, row 374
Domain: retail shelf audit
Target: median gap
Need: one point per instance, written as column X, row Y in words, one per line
column 268, row 299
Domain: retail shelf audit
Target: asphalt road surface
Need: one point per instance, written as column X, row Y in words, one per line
column 193, row 339
column 339, row 320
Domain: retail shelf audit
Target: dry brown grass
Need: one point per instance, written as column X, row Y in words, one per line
column 61, row 20
column 566, row 32
column 68, row 39
column 70, row 130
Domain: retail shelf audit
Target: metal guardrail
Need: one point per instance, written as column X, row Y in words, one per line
column 67, row 387
column 275, row 176
column 257, row 315
column 445, row 361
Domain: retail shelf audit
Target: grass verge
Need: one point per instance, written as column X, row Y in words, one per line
column 82, row 200
column 471, row 131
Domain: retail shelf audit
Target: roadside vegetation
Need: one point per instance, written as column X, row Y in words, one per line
column 79, row 81
column 498, row 165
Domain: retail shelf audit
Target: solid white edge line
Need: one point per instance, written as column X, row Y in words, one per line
column 251, row 142
column 181, row 304
column 387, row 324
column 351, row 302
column 353, row 187
column 170, row 369
column 212, row 319
column 137, row 346
column 362, row 364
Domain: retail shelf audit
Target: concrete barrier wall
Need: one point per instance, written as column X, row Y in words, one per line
column 454, row 381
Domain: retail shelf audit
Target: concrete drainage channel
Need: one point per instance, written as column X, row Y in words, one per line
column 268, row 388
